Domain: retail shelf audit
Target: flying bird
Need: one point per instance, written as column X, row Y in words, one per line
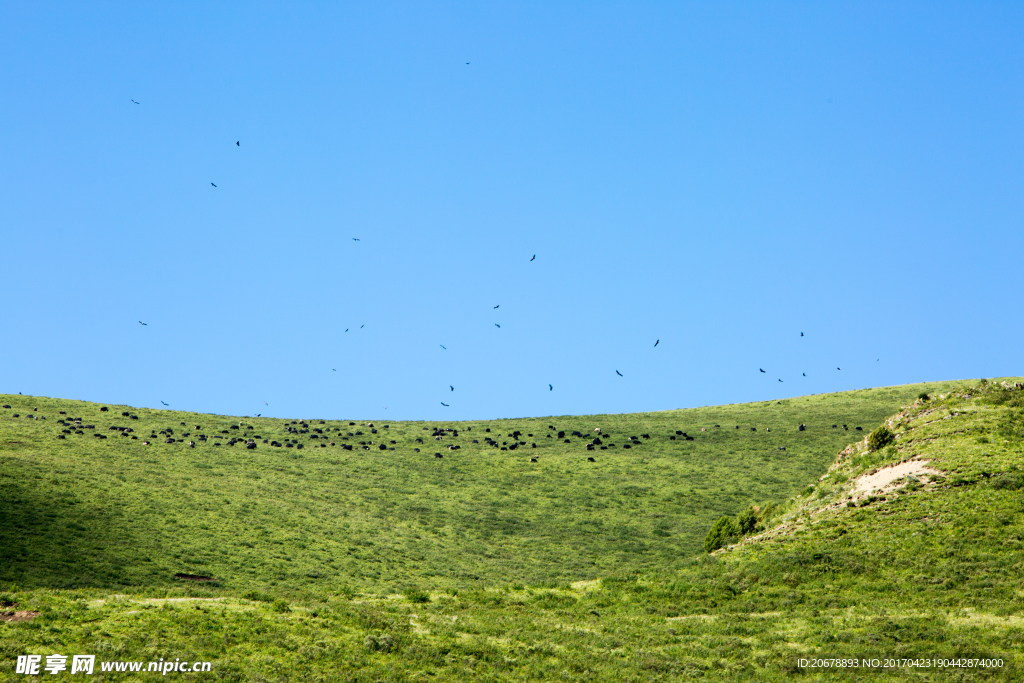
column 346, row 329
column 356, row 239
column 362, row 326
column 801, row 334
column 498, row 305
column 804, row 374
column 619, row 373
column 497, row 325
column 238, row 143
column 213, row 184
column 534, row 256
column 265, row 403
column 166, row 404
column 657, row 342
column 451, row 387
column 443, row 347
column 334, row 369
column 838, row 368
column 780, row 380
column 761, row 369
column 550, row 388
column 445, row 404
column 142, row 323
column 134, row 101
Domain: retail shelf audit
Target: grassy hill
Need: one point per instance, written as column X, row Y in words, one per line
column 369, row 564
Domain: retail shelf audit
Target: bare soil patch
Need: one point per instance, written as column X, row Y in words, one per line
column 883, row 479
column 20, row 615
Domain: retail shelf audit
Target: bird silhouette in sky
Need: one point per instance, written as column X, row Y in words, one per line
column 451, row 387
column 534, row 256
column 356, row 239
column 498, row 305
column 445, row 404
column 214, row 184
column 801, row 334
column 443, row 347
column 780, row 380
column 550, row 388
column 166, row 404
column 238, row 143
column 134, row 101
column 804, row 374
column 334, row 369
column 619, row 373
column 761, row 369
column 497, row 325
column 362, row 326
column 142, row 323
column 259, row 414
column 838, row 368
column 265, row 403
column 656, row 343
column 346, row 329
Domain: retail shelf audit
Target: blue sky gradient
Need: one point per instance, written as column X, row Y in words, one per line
column 719, row 176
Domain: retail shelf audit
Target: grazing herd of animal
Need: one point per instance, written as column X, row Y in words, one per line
column 347, row 436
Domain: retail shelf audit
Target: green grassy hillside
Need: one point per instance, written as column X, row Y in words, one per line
column 89, row 511
column 395, row 565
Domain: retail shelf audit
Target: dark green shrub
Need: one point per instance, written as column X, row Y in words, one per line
column 416, row 595
column 880, row 438
column 280, row 605
column 748, row 520
column 923, row 396
column 1010, row 481
column 258, row 597
column 381, row 643
column 722, row 533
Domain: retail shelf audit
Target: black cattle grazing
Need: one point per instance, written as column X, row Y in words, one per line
column 382, row 447
column 533, row 445
column 846, row 428
column 415, row 449
column 753, row 429
column 672, row 438
column 802, row 427
column 591, row 460
column 857, row 428
column 8, row 408
column 590, row 447
column 561, row 435
column 61, row 436
column 125, row 414
column 533, row 459
column 679, row 432
column 104, row 409
column 833, row 426
column 597, row 442
column 782, row 448
column 438, row 455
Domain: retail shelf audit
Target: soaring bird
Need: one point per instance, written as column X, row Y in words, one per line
column 443, row 347
column 498, row 305
column 656, row 343
column 761, row 369
column 619, row 373
column 445, row 404
column 238, row 143
column 142, row 323
column 362, row 326
column 166, row 404
column 356, row 239
column 534, row 256
column 467, row 63
column 265, row 403
column 346, row 329
column 213, row 184
column 451, row 387
column 801, row 334
column 780, row 380
column 334, row 369
column 134, row 101
column 550, row 388
column 804, row 374
column 497, row 325
column 838, row 368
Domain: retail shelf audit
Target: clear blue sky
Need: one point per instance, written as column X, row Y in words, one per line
column 718, row 176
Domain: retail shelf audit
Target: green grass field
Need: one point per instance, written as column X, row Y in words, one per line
column 334, row 564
